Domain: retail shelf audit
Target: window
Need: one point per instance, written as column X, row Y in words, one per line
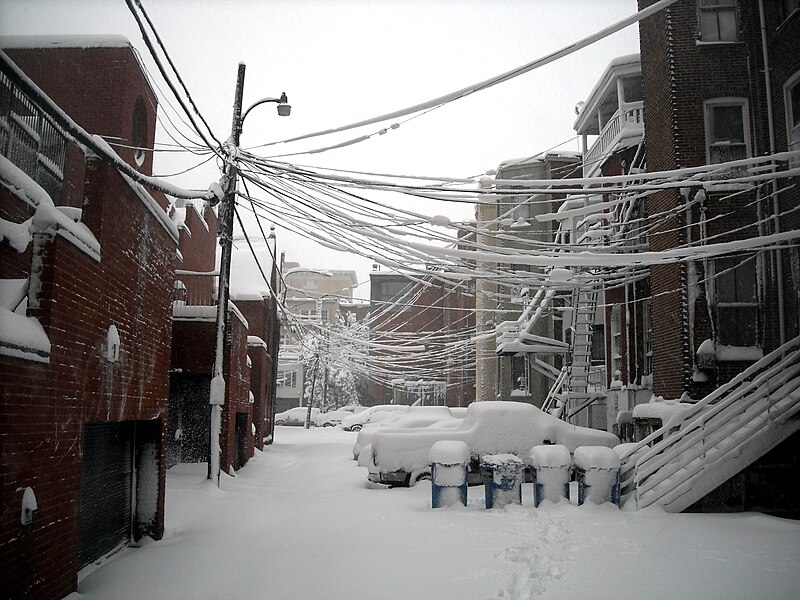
column 391, row 291
column 727, row 130
column 632, row 89
column 139, row 131
column 791, row 94
column 647, row 331
column 789, row 6
column 287, row 378
column 616, row 341
column 736, row 301
column 718, row 21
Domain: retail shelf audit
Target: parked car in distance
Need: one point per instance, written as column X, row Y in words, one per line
column 356, row 422
column 400, row 456
column 296, row 416
column 416, row 416
column 334, row 417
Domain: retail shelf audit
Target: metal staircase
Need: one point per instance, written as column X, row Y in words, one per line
column 584, row 303
column 721, row 435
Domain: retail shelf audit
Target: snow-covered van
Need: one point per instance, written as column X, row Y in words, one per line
column 400, row 457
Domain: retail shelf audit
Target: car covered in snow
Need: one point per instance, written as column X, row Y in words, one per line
column 400, row 457
column 334, row 417
column 296, row 416
column 357, row 421
column 416, row 416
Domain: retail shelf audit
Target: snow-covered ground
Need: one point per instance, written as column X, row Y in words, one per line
column 300, row 521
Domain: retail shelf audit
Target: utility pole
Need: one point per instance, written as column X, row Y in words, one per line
column 225, row 233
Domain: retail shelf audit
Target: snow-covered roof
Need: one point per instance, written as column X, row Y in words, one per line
column 64, row 41
column 630, row 63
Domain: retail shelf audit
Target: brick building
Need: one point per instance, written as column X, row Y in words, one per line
column 251, row 342
column 706, row 101
column 433, row 312
column 86, row 272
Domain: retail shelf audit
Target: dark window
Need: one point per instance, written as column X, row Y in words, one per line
column 718, row 21
column 139, row 131
column 632, row 89
column 392, row 291
column 736, row 295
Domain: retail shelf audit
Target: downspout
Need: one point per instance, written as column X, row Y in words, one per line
column 776, row 211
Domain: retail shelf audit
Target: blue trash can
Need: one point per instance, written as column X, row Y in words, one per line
column 552, row 465
column 597, row 474
column 449, row 461
column 502, row 478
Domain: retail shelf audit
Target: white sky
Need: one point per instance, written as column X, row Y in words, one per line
column 341, row 62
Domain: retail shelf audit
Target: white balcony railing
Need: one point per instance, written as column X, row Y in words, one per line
column 624, row 124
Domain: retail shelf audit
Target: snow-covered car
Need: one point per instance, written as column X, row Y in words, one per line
column 400, row 456
column 356, row 422
column 335, row 417
column 416, row 416
column 296, row 416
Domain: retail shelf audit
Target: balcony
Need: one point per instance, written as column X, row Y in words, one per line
column 623, row 129
column 612, row 113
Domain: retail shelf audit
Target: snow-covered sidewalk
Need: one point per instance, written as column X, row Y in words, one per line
column 299, row 521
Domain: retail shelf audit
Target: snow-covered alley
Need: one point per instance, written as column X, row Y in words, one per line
column 299, row 521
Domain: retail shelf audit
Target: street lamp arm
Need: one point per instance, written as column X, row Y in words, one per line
column 282, row 101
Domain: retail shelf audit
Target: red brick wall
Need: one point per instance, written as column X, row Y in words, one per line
column 198, row 250
column 259, row 374
column 76, row 300
column 237, row 391
column 679, row 75
column 44, row 406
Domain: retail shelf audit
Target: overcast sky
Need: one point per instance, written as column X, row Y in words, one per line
column 341, row 62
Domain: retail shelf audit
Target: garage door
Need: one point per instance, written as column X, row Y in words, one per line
column 106, row 487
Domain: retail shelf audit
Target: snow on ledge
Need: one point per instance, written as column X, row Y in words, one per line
column 23, row 337
column 182, row 312
column 47, row 217
column 254, row 340
column 64, row 41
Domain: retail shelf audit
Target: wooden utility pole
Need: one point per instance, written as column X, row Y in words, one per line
column 225, row 234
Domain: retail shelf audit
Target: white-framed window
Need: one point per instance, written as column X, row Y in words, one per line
column 718, row 21
column 727, row 130
column 736, row 301
column 791, row 96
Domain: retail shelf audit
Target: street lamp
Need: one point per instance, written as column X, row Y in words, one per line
column 225, row 232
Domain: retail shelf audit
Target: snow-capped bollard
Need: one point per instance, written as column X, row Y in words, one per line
column 449, row 460
column 552, row 465
column 502, row 478
column 597, row 473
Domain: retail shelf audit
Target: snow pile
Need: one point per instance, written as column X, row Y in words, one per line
column 47, row 218
column 23, row 337
column 553, row 456
column 449, row 452
column 670, row 412
column 18, row 235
